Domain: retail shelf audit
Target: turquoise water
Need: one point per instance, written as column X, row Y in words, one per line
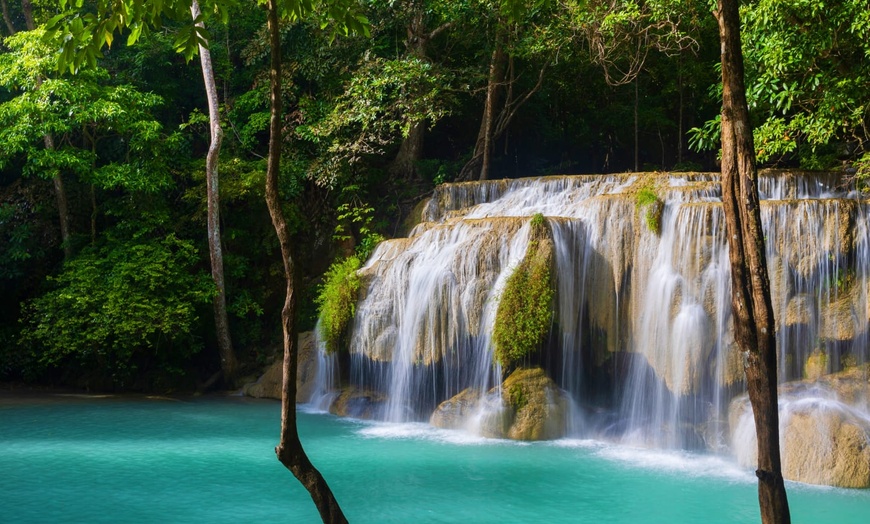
column 67, row 459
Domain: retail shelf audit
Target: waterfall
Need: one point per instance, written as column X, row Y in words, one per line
column 642, row 339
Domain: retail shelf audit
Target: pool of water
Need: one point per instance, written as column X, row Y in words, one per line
column 90, row 460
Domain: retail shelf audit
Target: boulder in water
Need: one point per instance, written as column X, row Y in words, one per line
column 529, row 406
column 357, row 403
column 822, row 441
column 540, row 408
column 454, row 412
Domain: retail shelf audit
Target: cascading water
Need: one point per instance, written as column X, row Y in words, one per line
column 641, row 339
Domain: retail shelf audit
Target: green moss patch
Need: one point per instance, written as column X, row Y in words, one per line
column 525, row 310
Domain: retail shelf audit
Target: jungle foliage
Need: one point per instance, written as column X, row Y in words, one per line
column 424, row 93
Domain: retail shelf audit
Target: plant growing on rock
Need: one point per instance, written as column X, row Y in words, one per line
column 648, row 201
column 337, row 301
column 525, row 310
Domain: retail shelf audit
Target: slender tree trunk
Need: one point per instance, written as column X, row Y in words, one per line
column 7, row 18
column 636, row 133
column 754, row 328
column 57, row 180
column 493, row 90
column 229, row 363
column 27, row 9
column 289, row 449
column 62, row 205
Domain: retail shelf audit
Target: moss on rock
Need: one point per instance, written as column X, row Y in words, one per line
column 525, row 309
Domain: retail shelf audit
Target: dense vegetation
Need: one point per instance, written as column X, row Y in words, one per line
column 104, row 259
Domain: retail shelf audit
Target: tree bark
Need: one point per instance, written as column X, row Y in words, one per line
column 481, row 160
column 57, row 180
column 62, row 204
column 754, row 327
column 493, row 90
column 229, row 363
column 289, row 449
column 7, row 18
column 27, row 9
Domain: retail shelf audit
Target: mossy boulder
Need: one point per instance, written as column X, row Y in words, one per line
column 526, row 305
column 269, row 383
column 528, row 406
column 540, row 408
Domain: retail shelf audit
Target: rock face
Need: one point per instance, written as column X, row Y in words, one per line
column 357, row 403
column 269, row 384
column 822, row 440
column 531, row 407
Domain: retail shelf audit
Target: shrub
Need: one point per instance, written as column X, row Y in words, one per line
column 337, row 301
column 118, row 308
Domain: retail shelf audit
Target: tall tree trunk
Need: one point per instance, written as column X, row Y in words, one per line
column 289, row 449
column 493, row 91
column 229, row 363
column 754, row 328
column 57, row 180
column 27, row 9
column 481, row 160
column 7, row 18
column 62, row 204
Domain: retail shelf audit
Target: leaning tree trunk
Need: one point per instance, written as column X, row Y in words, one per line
column 754, row 328
column 289, row 449
column 229, row 363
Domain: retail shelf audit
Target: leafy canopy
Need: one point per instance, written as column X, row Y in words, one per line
column 105, row 134
column 82, row 32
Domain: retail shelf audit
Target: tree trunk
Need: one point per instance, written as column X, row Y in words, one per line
column 57, row 180
column 405, row 164
column 7, row 18
column 62, row 205
column 493, row 90
column 754, row 328
column 27, row 9
column 229, row 363
column 289, row 449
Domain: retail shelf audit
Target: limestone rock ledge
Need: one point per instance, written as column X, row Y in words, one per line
column 822, row 440
column 269, row 383
column 531, row 407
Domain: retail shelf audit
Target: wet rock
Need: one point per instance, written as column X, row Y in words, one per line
column 454, row 412
column 540, row 408
column 823, row 440
column 269, row 383
column 357, row 403
column 529, row 406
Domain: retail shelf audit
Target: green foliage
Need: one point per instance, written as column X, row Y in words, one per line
column 381, row 103
column 525, row 308
column 337, row 301
column 647, row 201
column 119, row 307
column 82, row 32
column 104, row 134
